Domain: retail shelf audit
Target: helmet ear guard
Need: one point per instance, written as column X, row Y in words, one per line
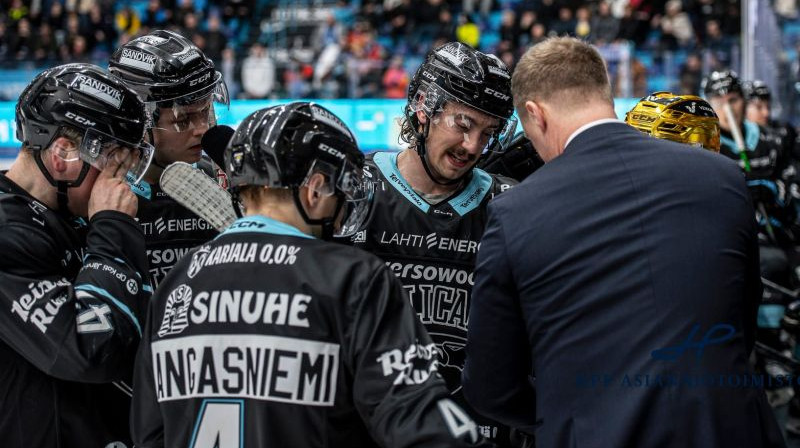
column 684, row 119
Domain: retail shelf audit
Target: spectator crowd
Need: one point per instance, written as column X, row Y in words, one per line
column 369, row 48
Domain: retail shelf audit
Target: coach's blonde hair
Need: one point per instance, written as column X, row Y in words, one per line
column 560, row 70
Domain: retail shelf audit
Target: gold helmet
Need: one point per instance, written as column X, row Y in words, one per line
column 682, row 118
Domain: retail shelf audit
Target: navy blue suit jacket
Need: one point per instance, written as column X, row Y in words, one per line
column 621, row 246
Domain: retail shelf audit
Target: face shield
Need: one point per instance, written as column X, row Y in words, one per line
column 476, row 127
column 353, row 187
column 192, row 110
column 97, row 148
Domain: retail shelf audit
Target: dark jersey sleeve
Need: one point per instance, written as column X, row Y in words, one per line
column 147, row 422
column 397, row 390
column 84, row 328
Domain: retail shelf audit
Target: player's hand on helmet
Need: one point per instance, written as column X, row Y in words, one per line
column 110, row 190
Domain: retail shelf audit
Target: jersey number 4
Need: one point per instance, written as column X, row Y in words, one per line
column 220, row 424
column 459, row 423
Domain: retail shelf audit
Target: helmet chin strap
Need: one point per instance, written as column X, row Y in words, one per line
column 236, row 202
column 61, row 185
column 326, row 223
column 423, row 157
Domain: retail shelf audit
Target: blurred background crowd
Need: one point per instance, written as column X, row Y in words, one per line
column 369, row 48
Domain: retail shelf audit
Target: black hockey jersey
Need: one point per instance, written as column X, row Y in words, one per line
column 268, row 337
column 432, row 249
column 764, row 151
column 170, row 229
column 73, row 301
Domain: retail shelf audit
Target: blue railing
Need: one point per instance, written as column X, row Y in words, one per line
column 376, row 123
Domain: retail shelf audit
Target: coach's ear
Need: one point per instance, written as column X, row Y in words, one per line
column 536, row 115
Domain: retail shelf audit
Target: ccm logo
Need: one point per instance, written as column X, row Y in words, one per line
column 200, row 79
column 645, row 118
column 497, row 94
column 331, row 151
column 428, row 75
column 79, row 119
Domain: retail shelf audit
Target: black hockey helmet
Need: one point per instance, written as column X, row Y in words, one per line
column 168, row 71
column 87, row 99
column 282, row 146
column 756, row 90
column 456, row 72
column 720, row 83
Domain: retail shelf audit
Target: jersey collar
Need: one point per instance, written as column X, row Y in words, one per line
column 262, row 224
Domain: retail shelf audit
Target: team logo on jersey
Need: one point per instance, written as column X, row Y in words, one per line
column 430, row 241
column 38, row 208
column 132, row 286
column 411, row 366
column 360, row 237
column 198, row 259
column 160, row 226
column 31, row 306
column 176, row 313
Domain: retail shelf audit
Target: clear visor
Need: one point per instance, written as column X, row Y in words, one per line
column 356, row 190
column 475, row 127
column 97, row 148
column 191, row 111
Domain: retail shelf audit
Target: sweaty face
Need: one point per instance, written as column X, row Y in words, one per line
column 458, row 135
column 178, row 131
column 737, row 108
column 758, row 111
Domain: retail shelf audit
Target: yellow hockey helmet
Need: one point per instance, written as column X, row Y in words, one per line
column 682, row 118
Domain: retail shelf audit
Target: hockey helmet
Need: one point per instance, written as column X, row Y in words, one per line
column 682, row 118
column 282, row 146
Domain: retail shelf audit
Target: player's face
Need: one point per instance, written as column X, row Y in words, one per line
column 758, row 111
column 737, row 108
column 79, row 196
column 177, row 133
column 67, row 154
column 457, row 137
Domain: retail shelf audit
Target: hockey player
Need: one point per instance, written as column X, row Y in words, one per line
column 762, row 162
column 681, row 118
column 180, row 87
column 270, row 335
column 73, row 293
column 759, row 110
column 762, row 157
column 430, row 203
